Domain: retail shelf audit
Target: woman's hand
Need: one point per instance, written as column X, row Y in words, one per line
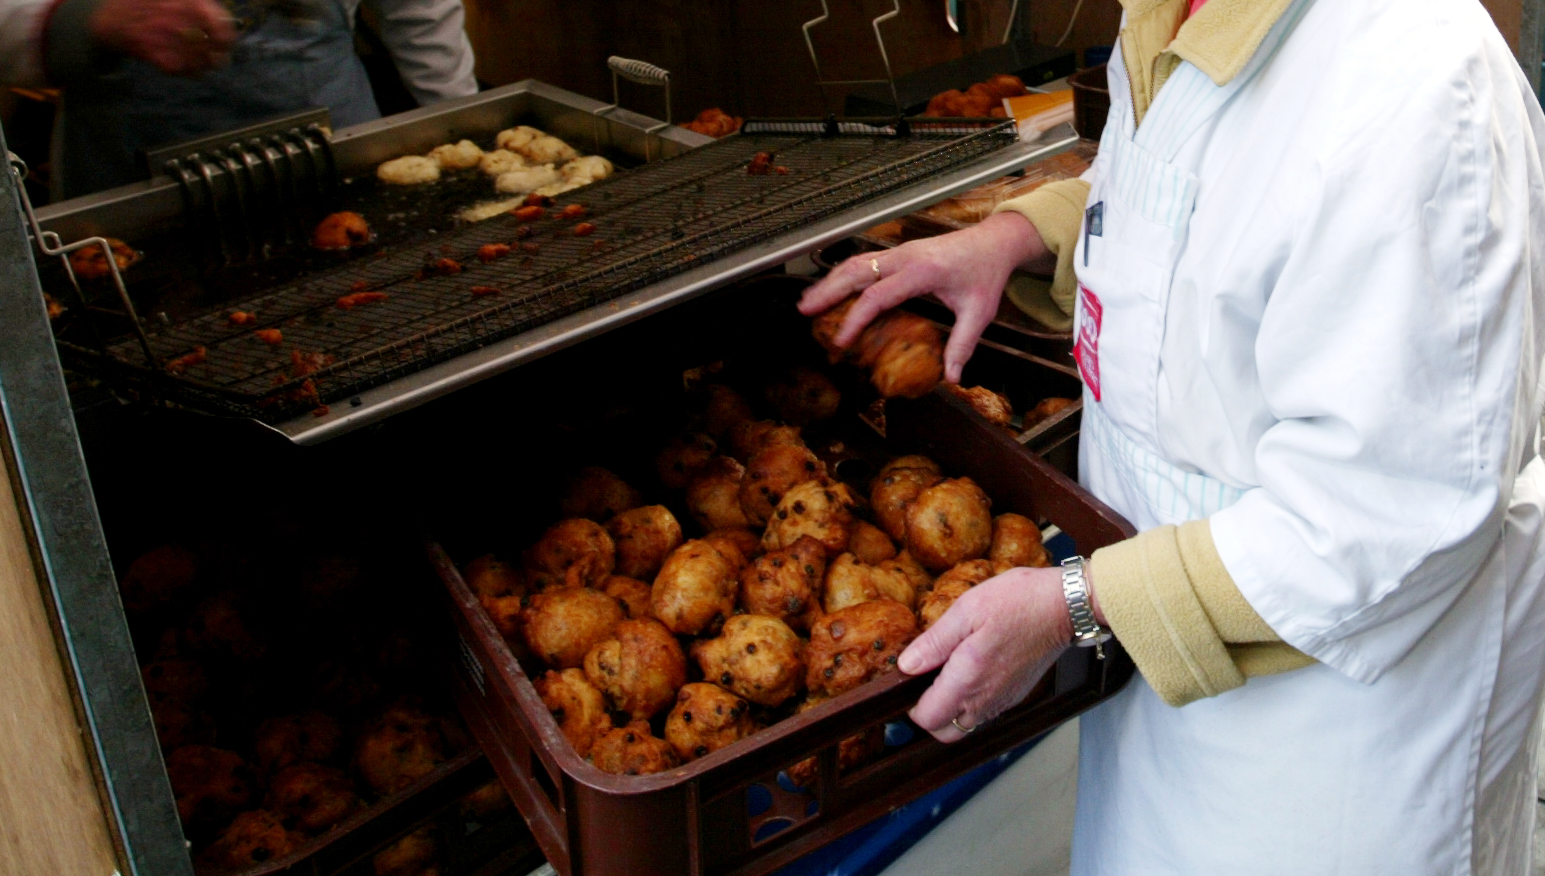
column 994, row 643
column 966, row 270
column 178, row 37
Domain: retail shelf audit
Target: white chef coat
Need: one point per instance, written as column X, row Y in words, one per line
column 1312, row 309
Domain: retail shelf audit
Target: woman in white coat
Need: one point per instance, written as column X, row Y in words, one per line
column 1307, row 272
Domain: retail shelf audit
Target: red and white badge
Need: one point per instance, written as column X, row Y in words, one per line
column 1086, row 349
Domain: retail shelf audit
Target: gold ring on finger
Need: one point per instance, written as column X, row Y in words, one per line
column 963, row 728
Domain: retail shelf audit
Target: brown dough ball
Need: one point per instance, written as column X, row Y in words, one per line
column 252, row 838
column 490, row 576
column 166, row 680
column 644, row 537
column 695, row 590
column 219, row 628
column 1016, row 541
column 397, row 749
column 903, row 352
column 577, row 706
column 633, row 750
column 413, row 855
column 756, row 657
column 786, row 583
column 753, row 435
column 209, row 784
column 596, row 494
column 485, row 800
column 821, row 510
column 631, row 592
column 90, row 262
column 993, row 407
column 1046, row 409
column 316, row 797
column 851, row 646
column 571, row 553
column 746, row 543
column 179, row 723
column 725, row 410
column 852, row 752
column 870, row 543
column 914, row 460
column 893, row 492
column 803, row 395
column 504, row 611
column 706, row 718
column 713, row 497
column 949, row 588
column 308, row 736
column 849, row 581
column 561, row 626
column 156, row 578
column 639, row 668
column 949, row 523
column 681, row 459
column 912, row 569
column 341, row 231
column 825, row 326
column 773, row 471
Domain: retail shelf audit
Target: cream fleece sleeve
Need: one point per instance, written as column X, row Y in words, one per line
column 1169, row 599
column 1057, row 212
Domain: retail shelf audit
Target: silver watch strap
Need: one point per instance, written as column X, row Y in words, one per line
column 1087, row 631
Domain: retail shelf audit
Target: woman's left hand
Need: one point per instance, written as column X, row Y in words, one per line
column 994, row 643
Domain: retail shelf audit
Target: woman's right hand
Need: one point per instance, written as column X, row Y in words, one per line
column 965, row 270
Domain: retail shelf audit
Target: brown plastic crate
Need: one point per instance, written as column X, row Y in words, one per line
column 695, row 819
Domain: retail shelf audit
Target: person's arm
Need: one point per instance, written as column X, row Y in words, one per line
column 78, row 40
column 1057, row 212
column 428, row 43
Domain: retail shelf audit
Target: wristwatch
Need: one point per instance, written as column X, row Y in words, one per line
column 1087, row 631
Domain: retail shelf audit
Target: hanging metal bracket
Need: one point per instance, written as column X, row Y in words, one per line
column 879, row 39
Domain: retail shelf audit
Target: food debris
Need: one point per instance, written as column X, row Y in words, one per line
column 242, row 317
column 490, row 251
column 272, row 337
column 572, row 211
column 536, row 200
column 355, row 299
column 524, row 232
column 528, row 214
column 761, row 164
column 55, row 309
column 447, row 267
column 584, row 229
column 187, row 360
column 532, row 248
column 302, row 364
column 320, row 411
column 480, row 291
column 359, row 286
column 781, row 170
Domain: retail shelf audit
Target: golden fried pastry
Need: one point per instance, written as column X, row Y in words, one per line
column 586, row 169
column 156, row 578
column 218, row 628
column 725, row 409
column 313, row 796
column 773, row 471
column 752, row 435
column 681, row 459
column 852, row 752
column 179, row 723
column 903, row 353
column 746, row 542
column 639, row 668
column 755, row 656
column 949, row 523
column 695, row 590
column 993, row 407
column 714, row 122
column 949, row 588
column 173, row 680
column 546, row 148
column 525, row 179
column 561, row 626
column 713, row 497
column 598, row 495
column 912, row 461
column 210, row 784
column 308, row 736
column 907, row 565
column 397, row 749
column 1016, row 541
column 90, row 262
column 341, row 231
column 1046, row 409
column 786, row 583
column 413, row 855
column 851, row 646
column 492, row 577
column 456, row 156
column 869, row 543
column 633, row 750
column 571, row 553
column 825, row 325
column 893, row 491
column 644, row 537
column 505, row 611
column 409, row 170
column 516, row 137
column 821, row 510
column 850, row 581
column 804, row 395
column 485, row 800
column 577, row 706
column 500, row 161
column 706, row 718
column 631, row 592
column 252, row 838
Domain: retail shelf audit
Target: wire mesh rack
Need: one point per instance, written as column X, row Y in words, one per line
column 637, row 227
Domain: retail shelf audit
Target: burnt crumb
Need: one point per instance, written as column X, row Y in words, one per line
column 750, row 647
column 879, row 644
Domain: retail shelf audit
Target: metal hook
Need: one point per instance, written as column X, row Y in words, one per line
column 890, row 78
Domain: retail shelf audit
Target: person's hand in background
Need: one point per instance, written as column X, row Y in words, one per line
column 179, row 37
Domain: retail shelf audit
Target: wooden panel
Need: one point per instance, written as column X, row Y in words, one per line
column 51, row 815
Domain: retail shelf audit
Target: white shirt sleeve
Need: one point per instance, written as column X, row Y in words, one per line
column 1400, row 355
column 428, row 43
